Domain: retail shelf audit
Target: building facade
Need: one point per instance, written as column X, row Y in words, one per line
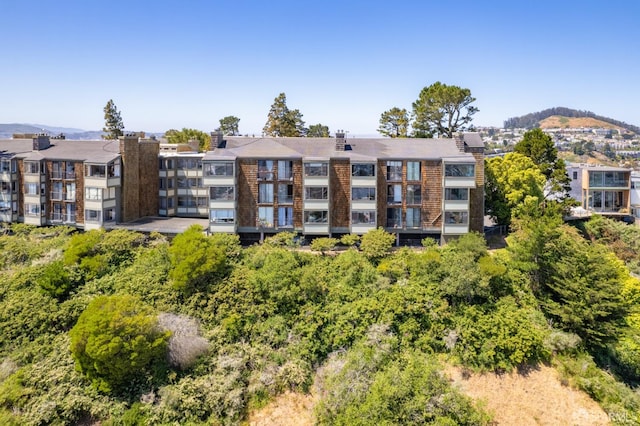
column 601, row 189
column 251, row 186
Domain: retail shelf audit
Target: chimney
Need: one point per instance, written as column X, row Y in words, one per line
column 41, row 142
column 341, row 142
column 459, row 138
column 216, row 140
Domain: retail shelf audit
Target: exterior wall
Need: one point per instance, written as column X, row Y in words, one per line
column 340, row 195
column 139, row 174
column 298, row 195
column 148, row 178
column 247, row 188
column 433, row 193
column 476, row 195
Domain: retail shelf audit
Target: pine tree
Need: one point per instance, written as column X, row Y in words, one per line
column 113, row 126
column 281, row 121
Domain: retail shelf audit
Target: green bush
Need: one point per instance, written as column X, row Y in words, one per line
column 115, row 340
column 376, row 243
column 323, row 244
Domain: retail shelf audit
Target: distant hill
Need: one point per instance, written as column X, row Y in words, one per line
column 558, row 121
column 9, row 129
column 536, row 119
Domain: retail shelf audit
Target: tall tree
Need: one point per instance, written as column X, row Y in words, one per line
column 318, row 131
column 229, row 125
column 539, row 146
column 442, row 110
column 185, row 135
column 113, row 126
column 394, row 123
column 281, row 121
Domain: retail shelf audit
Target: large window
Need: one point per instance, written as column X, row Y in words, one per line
column 363, row 217
column 363, row 170
column 265, row 217
column 364, row 193
column 92, row 193
column 92, row 215
column 32, row 167
column 394, row 218
column 394, row 193
column 189, row 163
column 109, row 215
column 414, row 195
column 316, row 216
column 456, row 218
column 222, row 193
column 413, row 218
column 5, row 187
column 219, row 168
column 460, row 170
column 265, row 193
column 607, row 179
column 5, row 166
column 316, row 193
column 32, row 209
column 70, row 191
column 316, row 169
column 222, row 216
column 31, row 188
column 285, row 217
column 265, row 169
column 285, row 193
column 95, row 170
column 285, row 170
column 413, row 170
column 394, row 170
column 456, row 194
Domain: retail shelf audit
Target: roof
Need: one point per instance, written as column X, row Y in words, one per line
column 473, row 140
column 362, row 149
column 61, row 149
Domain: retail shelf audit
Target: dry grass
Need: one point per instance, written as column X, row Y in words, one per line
column 557, row 121
column 536, row 397
column 288, row 409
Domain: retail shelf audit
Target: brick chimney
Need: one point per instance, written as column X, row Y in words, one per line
column 459, row 138
column 41, row 142
column 217, row 140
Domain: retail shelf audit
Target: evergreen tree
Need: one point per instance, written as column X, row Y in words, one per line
column 394, row 123
column 229, row 125
column 318, row 131
column 113, row 126
column 281, row 121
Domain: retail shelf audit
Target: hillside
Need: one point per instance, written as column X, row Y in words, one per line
column 531, row 120
column 557, row 121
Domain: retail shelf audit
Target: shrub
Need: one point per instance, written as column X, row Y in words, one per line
column 350, row 240
column 323, row 244
column 376, row 243
column 116, row 339
column 185, row 344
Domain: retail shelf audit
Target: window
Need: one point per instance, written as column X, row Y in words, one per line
column 316, row 193
column 414, row 195
column 222, row 193
column 459, row 170
column 93, row 193
column 265, row 169
column 394, row 218
column 316, row 216
column 94, row 170
column 265, row 217
column 201, row 202
column 265, row 193
column 413, row 170
column 182, row 182
column 413, row 217
column 92, row 215
column 5, row 206
column 218, row 168
column 109, row 215
column 575, row 175
column 56, row 215
column 69, row 173
column 316, row 169
column 32, row 209
column 363, row 217
column 32, row 167
column 394, row 170
column 5, row 187
column 456, row 194
column 222, row 216
column 31, row 188
column 189, row 163
column 285, row 170
column 363, row 193
column 285, row 217
column 456, row 218
column 5, row 166
column 285, row 193
column 56, row 169
column 170, row 202
column 162, row 183
column 162, row 203
column 394, row 194
column 363, row 170
column 109, row 193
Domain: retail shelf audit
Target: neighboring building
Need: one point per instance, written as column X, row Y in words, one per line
column 635, row 195
column 251, row 186
column 601, row 189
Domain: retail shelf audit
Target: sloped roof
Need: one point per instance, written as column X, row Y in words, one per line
column 72, row 150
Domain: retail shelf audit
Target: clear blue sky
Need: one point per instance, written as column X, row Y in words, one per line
column 175, row 64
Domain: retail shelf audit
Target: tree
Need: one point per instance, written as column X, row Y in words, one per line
column 394, row 123
column 318, row 131
column 229, row 125
column 539, row 146
column 185, row 135
column 113, row 126
column 511, row 181
column 376, row 243
column 442, row 110
column 281, row 121
column 115, row 340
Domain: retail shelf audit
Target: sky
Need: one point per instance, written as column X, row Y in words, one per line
column 189, row 63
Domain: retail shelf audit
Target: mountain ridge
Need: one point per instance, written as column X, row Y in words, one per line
column 533, row 119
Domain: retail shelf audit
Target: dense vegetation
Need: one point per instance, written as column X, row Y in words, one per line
column 126, row 328
column 532, row 120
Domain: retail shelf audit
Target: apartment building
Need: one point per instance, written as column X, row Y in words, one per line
column 251, row 186
column 601, row 189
